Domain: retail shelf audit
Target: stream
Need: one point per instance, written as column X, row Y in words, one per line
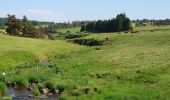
column 24, row 94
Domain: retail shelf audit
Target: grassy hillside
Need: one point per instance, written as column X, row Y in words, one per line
column 132, row 66
column 16, row 50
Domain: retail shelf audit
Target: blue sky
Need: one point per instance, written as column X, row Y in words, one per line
column 68, row 10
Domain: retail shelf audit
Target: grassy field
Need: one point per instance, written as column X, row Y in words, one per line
column 150, row 27
column 15, row 50
column 72, row 30
column 133, row 66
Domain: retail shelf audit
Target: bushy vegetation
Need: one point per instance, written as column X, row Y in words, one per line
column 71, row 36
column 120, row 23
column 90, row 42
column 75, row 35
column 24, row 28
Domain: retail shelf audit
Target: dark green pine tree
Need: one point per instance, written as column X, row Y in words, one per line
column 126, row 24
column 27, row 29
column 25, row 26
column 13, row 25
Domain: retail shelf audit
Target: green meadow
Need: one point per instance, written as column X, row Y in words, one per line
column 17, row 50
column 72, row 30
column 131, row 66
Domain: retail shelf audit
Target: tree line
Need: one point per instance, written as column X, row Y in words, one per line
column 120, row 23
column 52, row 27
column 34, row 29
column 24, row 28
column 68, row 24
column 145, row 22
column 2, row 23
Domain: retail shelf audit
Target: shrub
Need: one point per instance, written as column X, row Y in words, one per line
column 3, row 88
column 36, row 91
column 60, row 87
column 68, row 31
column 88, row 42
column 71, row 36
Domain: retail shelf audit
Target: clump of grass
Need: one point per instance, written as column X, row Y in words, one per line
column 21, row 82
column 54, row 68
column 50, row 85
column 60, row 87
column 86, row 90
column 36, row 91
column 33, row 79
column 37, row 77
column 41, row 86
column 142, row 78
column 76, row 93
column 3, row 88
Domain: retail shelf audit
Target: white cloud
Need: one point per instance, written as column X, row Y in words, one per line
column 36, row 14
column 42, row 12
column 44, row 15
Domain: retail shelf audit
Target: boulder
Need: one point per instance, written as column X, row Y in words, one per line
column 57, row 92
column 45, row 91
column 30, row 95
column 29, row 88
column 50, row 94
column 34, row 85
column 8, row 83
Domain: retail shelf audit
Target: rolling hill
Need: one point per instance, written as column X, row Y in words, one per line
column 130, row 66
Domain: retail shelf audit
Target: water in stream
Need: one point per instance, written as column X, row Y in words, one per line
column 24, row 94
